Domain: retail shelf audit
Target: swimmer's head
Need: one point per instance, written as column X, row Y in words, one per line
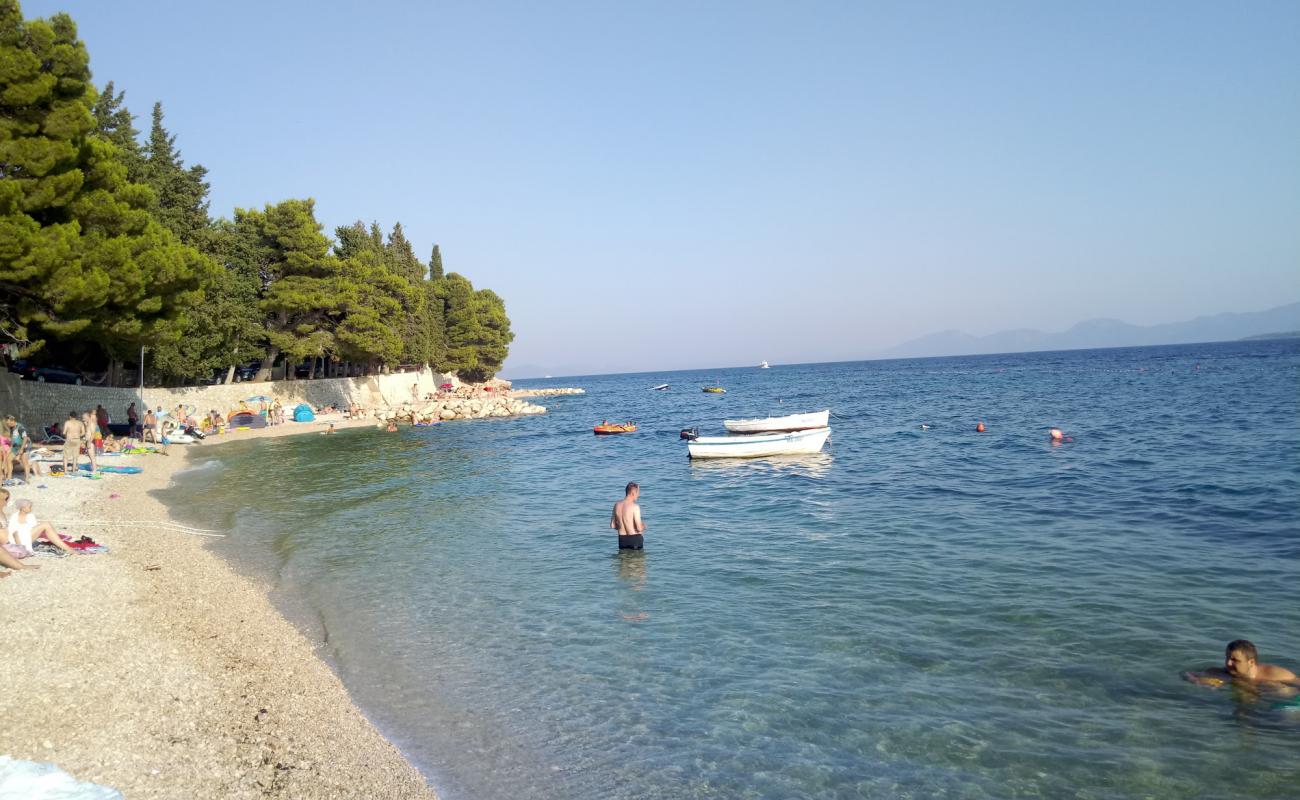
column 1056, row 434
column 1239, row 658
column 633, row 489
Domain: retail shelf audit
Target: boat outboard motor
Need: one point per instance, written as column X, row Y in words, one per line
column 690, row 433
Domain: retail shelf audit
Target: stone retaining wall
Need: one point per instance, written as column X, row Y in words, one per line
column 39, row 404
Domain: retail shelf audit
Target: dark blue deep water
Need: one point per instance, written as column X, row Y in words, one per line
column 914, row 613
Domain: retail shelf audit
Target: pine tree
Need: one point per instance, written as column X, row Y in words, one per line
column 477, row 329
column 182, row 194
column 226, row 329
column 115, row 124
column 80, row 256
column 371, row 298
column 376, row 302
column 401, row 256
column 300, row 298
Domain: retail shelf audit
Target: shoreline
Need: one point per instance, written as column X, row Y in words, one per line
column 160, row 671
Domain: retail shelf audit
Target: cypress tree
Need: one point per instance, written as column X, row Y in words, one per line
column 435, row 264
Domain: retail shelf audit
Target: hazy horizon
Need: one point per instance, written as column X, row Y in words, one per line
column 681, row 184
column 889, row 354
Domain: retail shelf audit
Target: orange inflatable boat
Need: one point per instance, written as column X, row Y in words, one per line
column 607, row 428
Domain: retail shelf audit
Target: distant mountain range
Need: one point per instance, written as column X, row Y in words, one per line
column 1105, row 333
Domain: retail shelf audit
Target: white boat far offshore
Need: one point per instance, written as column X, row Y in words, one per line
column 790, row 422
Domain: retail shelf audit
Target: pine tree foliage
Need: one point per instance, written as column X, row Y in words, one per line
column 106, row 244
column 115, row 124
column 401, row 256
column 182, row 193
column 478, row 331
column 80, row 255
column 300, row 279
column 226, row 328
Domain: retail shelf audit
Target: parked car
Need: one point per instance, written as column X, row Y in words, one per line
column 303, row 370
column 19, row 366
column 246, row 372
column 54, row 374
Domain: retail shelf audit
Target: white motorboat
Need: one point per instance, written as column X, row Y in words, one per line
column 793, row 443
column 763, row 365
column 663, row 387
column 790, row 422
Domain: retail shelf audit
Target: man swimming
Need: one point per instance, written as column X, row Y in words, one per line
column 1241, row 665
column 626, row 519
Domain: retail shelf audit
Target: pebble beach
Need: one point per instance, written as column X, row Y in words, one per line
column 157, row 670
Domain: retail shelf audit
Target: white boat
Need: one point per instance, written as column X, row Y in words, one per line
column 661, row 387
column 763, row 365
column 790, row 422
column 793, row 443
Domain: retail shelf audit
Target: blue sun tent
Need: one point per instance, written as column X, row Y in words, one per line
column 303, row 413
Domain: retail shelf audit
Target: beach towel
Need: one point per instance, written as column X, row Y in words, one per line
column 113, row 470
column 85, row 544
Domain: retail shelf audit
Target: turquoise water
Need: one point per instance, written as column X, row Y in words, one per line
column 913, row 613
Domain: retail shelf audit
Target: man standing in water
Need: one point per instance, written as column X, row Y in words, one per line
column 626, row 519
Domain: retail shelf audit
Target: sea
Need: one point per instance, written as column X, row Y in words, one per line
column 922, row 610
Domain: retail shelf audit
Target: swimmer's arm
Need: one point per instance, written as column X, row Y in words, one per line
column 613, row 518
column 1214, row 676
column 636, row 520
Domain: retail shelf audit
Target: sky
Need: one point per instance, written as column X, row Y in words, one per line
column 655, row 186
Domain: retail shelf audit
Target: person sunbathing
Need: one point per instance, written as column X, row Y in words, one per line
column 9, row 553
column 23, row 529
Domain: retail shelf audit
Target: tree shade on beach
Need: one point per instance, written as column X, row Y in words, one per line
column 108, row 246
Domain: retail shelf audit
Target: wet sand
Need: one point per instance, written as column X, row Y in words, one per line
column 156, row 669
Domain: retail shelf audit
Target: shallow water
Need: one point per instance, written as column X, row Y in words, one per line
column 913, row 613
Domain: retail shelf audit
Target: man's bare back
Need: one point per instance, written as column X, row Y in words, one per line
column 626, row 519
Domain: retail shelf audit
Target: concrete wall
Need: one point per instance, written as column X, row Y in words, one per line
column 39, row 404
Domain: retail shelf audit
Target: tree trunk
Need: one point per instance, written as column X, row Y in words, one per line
column 264, row 374
column 230, row 374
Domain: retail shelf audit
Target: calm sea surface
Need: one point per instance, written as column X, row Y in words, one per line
column 914, row 613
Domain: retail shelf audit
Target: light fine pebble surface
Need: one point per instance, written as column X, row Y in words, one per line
column 156, row 669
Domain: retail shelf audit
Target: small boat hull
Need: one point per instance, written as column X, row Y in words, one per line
column 790, row 422
column 610, row 430
column 758, row 445
column 714, row 390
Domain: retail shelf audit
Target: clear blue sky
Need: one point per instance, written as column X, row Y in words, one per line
column 672, row 185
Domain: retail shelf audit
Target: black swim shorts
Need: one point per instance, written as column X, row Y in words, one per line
column 633, row 542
